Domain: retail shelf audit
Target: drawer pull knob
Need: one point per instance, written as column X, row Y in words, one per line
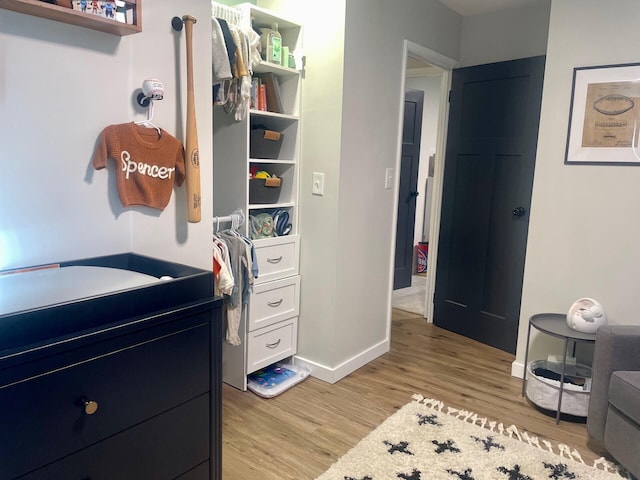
column 90, row 407
column 274, row 260
column 275, row 304
column 274, row 344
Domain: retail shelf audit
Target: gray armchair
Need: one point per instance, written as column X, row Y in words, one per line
column 614, row 404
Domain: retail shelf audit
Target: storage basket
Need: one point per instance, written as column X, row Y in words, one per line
column 264, row 190
column 543, row 392
column 265, row 144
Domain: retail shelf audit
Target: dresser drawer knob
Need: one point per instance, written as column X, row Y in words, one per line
column 275, row 304
column 90, row 407
column 274, row 344
column 275, row 260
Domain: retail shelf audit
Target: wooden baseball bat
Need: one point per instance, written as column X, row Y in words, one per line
column 192, row 167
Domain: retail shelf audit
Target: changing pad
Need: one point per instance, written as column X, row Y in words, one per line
column 50, row 286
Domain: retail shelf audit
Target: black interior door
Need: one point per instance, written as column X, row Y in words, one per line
column 488, row 176
column 408, row 189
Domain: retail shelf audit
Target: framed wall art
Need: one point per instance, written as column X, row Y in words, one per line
column 604, row 118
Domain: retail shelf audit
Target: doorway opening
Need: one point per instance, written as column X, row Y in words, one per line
column 428, row 72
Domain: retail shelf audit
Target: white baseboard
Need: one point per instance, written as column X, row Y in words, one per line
column 517, row 369
column 333, row 374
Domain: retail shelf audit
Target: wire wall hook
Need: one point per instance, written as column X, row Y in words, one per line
column 177, row 24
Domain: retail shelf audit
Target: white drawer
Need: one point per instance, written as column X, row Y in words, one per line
column 277, row 257
column 271, row 344
column 274, row 301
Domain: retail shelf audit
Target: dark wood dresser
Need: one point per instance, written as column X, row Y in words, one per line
column 121, row 385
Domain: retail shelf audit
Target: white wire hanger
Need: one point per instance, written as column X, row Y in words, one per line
column 237, row 218
column 232, row 15
column 148, row 123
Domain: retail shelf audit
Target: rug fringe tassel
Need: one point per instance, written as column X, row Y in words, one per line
column 531, row 440
column 608, row 466
column 576, row 456
column 565, row 451
column 512, row 431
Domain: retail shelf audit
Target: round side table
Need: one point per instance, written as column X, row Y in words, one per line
column 555, row 324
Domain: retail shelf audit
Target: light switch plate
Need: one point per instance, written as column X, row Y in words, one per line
column 388, row 179
column 317, row 187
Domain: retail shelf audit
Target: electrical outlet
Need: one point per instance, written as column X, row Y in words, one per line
column 317, row 187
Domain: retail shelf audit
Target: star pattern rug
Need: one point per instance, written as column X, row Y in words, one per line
column 426, row 440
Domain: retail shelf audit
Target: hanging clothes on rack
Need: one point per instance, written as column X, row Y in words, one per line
column 219, row 54
column 243, row 73
column 231, row 33
column 238, row 91
column 222, row 88
column 222, row 273
column 236, row 267
column 240, row 259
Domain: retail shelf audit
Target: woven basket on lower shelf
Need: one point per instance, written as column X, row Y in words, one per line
column 543, row 392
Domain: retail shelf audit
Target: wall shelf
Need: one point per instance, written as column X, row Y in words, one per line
column 74, row 17
column 277, row 69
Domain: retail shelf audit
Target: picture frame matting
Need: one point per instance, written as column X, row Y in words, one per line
column 604, row 116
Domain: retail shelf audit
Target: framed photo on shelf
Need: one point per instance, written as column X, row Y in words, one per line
column 604, row 117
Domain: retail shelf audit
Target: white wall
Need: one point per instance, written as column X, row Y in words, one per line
column 374, row 36
column 321, row 130
column 350, row 125
column 60, row 85
column 583, row 233
column 505, row 35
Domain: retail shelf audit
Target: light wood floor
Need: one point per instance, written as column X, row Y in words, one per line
column 300, row 433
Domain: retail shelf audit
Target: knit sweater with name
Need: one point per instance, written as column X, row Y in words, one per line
column 146, row 166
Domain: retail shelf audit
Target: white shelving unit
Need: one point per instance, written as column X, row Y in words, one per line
column 269, row 326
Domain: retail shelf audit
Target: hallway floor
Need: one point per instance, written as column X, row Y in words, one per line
column 411, row 299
